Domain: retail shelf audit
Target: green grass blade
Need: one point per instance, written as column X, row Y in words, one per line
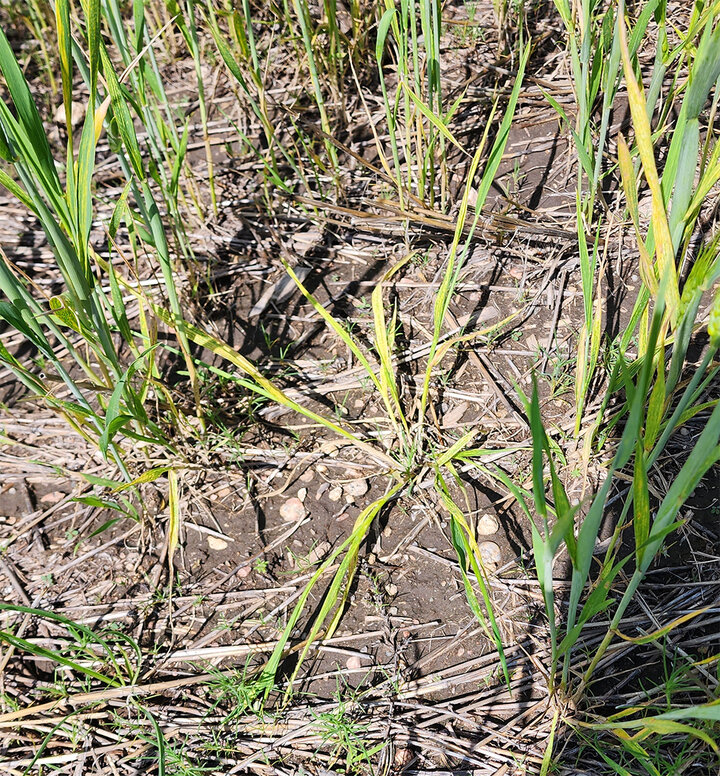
column 28, row 116
column 469, row 556
column 362, row 524
column 641, row 502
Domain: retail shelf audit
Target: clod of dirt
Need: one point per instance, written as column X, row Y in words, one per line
column 356, row 488
column 278, row 293
column 216, row 543
column 403, row 758
column 292, row 511
column 53, row 497
column 455, row 415
column 303, row 242
column 318, row 553
column 77, row 114
column 487, row 524
column 335, row 494
column 490, row 553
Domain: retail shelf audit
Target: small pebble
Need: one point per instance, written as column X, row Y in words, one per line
column 341, row 517
column 387, row 531
column 353, row 663
column 307, row 475
column 371, row 559
column 245, row 571
column 335, row 494
column 322, row 469
column 216, row 543
column 302, row 494
column 292, row 510
column 490, row 553
column 487, row 524
column 391, row 590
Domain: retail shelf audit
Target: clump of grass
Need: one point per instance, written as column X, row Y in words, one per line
column 85, row 321
column 65, row 211
column 109, row 656
column 594, row 44
column 417, row 121
column 655, row 401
